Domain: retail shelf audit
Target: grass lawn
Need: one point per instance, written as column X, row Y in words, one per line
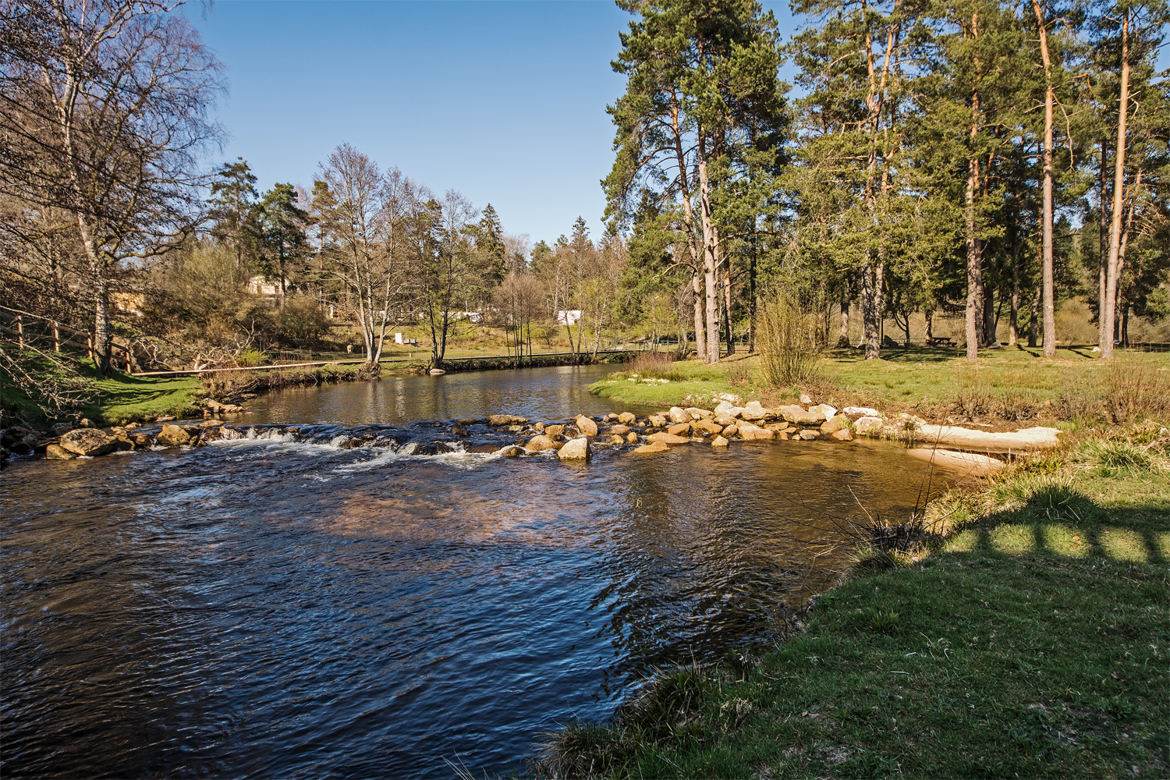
column 1032, row 641
column 1008, row 384
column 123, row 397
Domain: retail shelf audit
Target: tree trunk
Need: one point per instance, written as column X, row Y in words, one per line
column 843, row 338
column 1033, row 321
column 1048, row 282
column 871, row 309
column 974, row 262
column 710, row 240
column 1014, row 312
column 1109, row 312
column 1102, row 239
column 726, row 265
column 990, row 339
column 700, row 318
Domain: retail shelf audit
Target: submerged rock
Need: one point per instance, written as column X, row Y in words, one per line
column 667, row 438
column 511, row 451
column 500, row 420
column 719, row 441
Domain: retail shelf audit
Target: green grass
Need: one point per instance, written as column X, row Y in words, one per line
column 121, row 397
column 1011, row 384
column 1034, row 641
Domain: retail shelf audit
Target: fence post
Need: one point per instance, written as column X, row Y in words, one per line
column 19, row 332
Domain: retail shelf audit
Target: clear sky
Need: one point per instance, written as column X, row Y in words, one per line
column 503, row 100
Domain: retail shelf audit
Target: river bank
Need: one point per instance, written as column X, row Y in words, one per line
column 1029, row 637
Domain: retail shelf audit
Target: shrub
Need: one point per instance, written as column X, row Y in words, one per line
column 301, row 322
column 654, row 364
column 790, row 341
column 249, row 358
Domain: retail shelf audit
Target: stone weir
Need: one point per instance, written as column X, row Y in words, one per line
column 576, row 439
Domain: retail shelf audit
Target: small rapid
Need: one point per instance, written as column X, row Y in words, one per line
column 318, row 595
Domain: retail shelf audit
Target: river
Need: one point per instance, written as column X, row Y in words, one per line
column 283, row 606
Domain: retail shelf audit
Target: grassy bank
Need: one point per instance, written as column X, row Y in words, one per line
column 1011, row 384
column 1032, row 640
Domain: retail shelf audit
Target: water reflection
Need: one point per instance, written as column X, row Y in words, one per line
column 293, row 609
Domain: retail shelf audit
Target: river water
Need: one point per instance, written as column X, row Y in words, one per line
column 280, row 605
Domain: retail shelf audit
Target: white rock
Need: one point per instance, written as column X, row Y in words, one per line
column 853, row 412
column 868, row 426
column 678, row 415
column 754, row 410
column 824, row 411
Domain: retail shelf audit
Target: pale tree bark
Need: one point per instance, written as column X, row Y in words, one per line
column 689, row 228
column 1109, row 313
column 843, row 338
column 1048, row 282
column 710, row 239
column 1014, row 311
column 1102, row 239
column 974, row 250
column 1134, row 192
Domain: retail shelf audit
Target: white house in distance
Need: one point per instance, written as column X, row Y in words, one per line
column 568, row 316
column 258, row 285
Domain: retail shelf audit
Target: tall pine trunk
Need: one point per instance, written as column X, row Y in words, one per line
column 1102, row 238
column 1048, row 282
column 1110, row 311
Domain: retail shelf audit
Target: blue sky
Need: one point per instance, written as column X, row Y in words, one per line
column 503, row 101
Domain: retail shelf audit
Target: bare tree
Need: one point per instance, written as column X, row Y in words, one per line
column 368, row 212
column 443, row 264
column 102, row 113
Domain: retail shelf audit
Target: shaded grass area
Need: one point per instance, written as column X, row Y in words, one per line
column 1009, row 385
column 1033, row 641
column 122, row 398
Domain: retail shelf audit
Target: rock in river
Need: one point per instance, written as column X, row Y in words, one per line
column 89, row 442
column 172, row 436
column 586, row 425
column 575, row 449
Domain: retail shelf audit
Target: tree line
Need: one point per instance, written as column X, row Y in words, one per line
column 973, row 157
column 976, row 158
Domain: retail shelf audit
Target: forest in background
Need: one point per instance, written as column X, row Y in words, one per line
column 976, row 160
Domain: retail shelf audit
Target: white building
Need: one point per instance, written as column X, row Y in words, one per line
column 568, row 316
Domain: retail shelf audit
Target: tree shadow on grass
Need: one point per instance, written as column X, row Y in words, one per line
column 1061, row 521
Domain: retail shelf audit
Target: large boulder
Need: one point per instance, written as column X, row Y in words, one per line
column 856, row 412
column 88, row 442
column 540, row 443
column 724, row 419
column 679, row 429
column 868, row 426
column 652, row 448
column 575, row 449
column 678, row 415
column 172, row 436
column 1023, row 440
column 627, row 418
column 754, row 410
column 842, row 435
column 586, row 425
column 698, row 414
